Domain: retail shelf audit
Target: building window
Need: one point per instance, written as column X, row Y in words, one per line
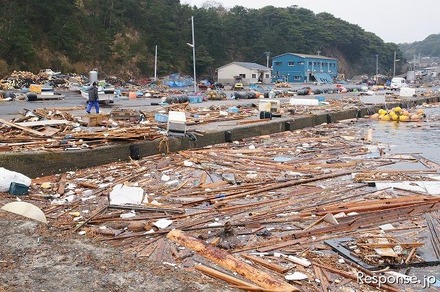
column 266, row 76
column 278, row 63
column 300, row 63
column 310, row 63
column 297, row 77
column 291, row 64
column 254, row 75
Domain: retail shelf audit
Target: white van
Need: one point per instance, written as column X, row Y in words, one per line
column 397, row 83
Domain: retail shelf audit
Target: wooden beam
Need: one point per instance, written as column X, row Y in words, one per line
column 264, row 263
column 43, row 123
column 225, row 277
column 374, row 217
column 22, row 128
column 227, row 261
column 62, row 184
column 353, row 277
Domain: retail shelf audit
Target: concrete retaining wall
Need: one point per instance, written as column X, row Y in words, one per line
column 35, row 164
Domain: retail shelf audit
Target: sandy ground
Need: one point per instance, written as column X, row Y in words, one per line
column 35, row 257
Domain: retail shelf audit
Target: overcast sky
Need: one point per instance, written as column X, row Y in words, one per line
column 391, row 20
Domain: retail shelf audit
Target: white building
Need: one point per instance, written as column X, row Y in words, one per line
column 247, row 72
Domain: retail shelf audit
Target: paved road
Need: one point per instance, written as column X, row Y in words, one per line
column 14, row 109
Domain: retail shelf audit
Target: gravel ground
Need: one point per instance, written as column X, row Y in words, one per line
column 35, row 257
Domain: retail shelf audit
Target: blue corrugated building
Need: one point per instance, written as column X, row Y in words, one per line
column 291, row 67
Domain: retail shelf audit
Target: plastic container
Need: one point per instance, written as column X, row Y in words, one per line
column 132, row 95
column 266, row 115
column 194, row 99
column 18, row 189
column 233, row 109
column 35, row 88
column 93, row 76
column 320, row 98
column 161, row 118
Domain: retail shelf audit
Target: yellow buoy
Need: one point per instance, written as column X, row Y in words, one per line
column 404, row 118
column 395, row 117
column 397, row 109
column 386, row 118
column 382, row 112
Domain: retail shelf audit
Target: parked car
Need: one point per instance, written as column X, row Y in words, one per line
column 238, row 86
column 397, row 83
column 106, row 93
column 49, row 72
column 205, row 86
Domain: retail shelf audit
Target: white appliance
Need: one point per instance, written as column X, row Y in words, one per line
column 176, row 123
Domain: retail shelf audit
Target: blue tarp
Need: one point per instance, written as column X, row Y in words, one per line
column 175, row 80
column 323, row 77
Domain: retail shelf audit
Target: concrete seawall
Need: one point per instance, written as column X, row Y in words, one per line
column 41, row 163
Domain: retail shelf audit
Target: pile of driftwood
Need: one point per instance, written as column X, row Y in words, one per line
column 309, row 210
column 58, row 129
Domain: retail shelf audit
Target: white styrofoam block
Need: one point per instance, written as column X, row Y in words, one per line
column 372, row 99
column 122, row 195
column 303, row 101
column 407, row 92
column 179, row 117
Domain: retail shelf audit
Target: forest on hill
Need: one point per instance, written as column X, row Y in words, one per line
column 119, row 37
column 429, row 47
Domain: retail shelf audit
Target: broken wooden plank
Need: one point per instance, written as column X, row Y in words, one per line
column 225, row 277
column 62, row 184
column 410, row 255
column 227, row 261
column 43, row 123
column 22, row 128
column 322, row 278
column 383, row 245
column 374, row 217
column 354, row 277
column 88, row 185
column 264, row 263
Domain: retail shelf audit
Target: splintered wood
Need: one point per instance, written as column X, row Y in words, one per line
column 57, row 129
column 262, row 214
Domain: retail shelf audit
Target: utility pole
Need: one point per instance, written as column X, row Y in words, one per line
column 194, row 53
column 267, row 59
column 395, row 60
column 155, row 64
column 377, row 65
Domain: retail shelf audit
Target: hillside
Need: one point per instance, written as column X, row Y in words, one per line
column 119, row 37
column 430, row 46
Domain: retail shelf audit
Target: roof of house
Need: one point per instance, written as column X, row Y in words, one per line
column 307, row 56
column 246, row 65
